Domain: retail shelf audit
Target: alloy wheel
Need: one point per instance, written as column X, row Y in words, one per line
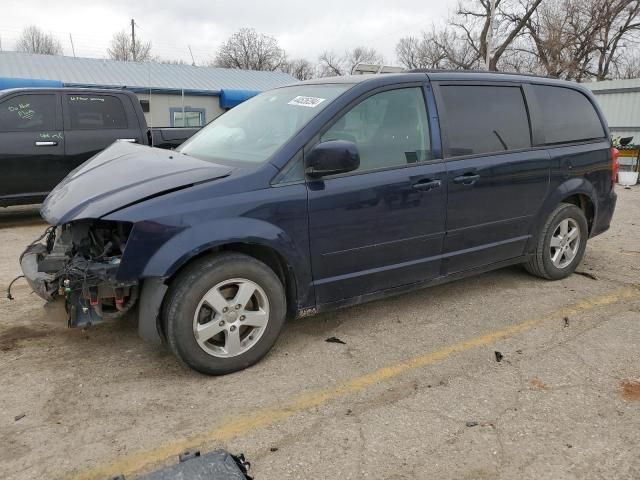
column 565, row 243
column 231, row 317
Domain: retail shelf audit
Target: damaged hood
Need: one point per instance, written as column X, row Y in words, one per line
column 122, row 175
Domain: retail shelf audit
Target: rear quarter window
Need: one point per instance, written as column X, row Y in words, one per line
column 94, row 112
column 567, row 115
column 483, row 119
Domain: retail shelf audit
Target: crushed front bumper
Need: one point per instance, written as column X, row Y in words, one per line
column 40, row 282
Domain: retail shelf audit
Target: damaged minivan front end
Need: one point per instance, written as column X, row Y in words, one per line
column 79, row 256
column 79, row 262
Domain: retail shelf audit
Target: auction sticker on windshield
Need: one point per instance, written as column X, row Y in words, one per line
column 310, row 102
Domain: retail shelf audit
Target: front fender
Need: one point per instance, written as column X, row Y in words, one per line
column 197, row 239
column 155, row 250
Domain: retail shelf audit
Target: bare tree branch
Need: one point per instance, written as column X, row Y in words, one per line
column 249, row 50
column 34, row 40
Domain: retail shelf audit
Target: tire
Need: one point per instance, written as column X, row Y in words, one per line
column 213, row 287
column 544, row 263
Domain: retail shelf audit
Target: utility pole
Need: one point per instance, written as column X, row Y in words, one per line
column 133, row 39
column 492, row 13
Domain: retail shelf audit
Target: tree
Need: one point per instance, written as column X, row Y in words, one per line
column 249, row 50
column 332, row 64
column 473, row 23
column 122, row 49
column 580, row 39
column 362, row 55
column 571, row 39
column 300, row 68
column 34, row 40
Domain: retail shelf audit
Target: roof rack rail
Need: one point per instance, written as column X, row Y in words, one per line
column 492, row 72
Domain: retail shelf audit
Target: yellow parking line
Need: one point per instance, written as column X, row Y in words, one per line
column 235, row 427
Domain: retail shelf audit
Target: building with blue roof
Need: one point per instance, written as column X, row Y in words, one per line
column 171, row 95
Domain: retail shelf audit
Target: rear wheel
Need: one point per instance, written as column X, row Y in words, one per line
column 224, row 313
column 561, row 243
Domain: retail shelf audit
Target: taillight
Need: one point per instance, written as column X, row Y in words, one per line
column 615, row 164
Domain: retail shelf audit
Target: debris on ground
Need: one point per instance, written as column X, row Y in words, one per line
column 586, row 274
column 566, row 322
column 630, row 389
column 519, row 352
column 273, row 449
column 219, row 465
column 499, row 356
column 19, row 417
column 537, row 383
column 335, row 340
column 472, row 424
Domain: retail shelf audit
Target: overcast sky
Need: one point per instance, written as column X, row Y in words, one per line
column 303, row 28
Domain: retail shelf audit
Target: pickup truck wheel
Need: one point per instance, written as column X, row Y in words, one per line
column 561, row 243
column 224, row 313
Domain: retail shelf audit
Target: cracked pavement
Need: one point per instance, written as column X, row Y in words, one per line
column 553, row 408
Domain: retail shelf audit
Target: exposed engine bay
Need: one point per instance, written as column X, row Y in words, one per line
column 78, row 261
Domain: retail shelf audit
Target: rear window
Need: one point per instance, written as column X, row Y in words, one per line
column 484, row 119
column 567, row 115
column 28, row 113
column 93, row 112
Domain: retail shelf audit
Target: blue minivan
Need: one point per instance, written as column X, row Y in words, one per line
column 325, row 194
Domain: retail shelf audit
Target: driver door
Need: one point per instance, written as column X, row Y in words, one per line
column 381, row 226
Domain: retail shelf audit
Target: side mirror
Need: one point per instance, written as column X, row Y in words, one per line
column 332, row 157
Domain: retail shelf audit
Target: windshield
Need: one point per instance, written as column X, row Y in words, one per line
column 255, row 129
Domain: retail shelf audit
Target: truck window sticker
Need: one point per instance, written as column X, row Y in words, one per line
column 310, row 102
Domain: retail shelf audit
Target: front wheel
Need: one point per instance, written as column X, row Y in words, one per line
column 224, row 313
column 561, row 243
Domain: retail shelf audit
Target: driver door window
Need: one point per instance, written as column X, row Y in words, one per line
column 390, row 129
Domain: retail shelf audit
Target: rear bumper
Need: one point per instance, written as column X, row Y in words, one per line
column 604, row 214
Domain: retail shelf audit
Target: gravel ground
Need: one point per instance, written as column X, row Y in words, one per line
column 416, row 392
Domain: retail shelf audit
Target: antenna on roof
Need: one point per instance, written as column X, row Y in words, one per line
column 73, row 49
column 193, row 61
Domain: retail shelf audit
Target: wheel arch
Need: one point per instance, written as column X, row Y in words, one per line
column 268, row 244
column 586, row 204
column 577, row 191
column 261, row 252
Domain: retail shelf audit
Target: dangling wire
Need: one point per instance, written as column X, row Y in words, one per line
column 9, row 296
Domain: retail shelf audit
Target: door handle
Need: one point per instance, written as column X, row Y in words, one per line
column 128, row 140
column 467, row 179
column 426, row 185
column 46, row 144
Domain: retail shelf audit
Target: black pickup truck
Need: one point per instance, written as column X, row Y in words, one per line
column 47, row 132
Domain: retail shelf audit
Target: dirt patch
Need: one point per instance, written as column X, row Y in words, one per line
column 10, row 338
column 539, row 384
column 630, row 389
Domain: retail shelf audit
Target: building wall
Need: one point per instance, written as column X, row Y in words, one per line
column 160, row 107
column 620, row 102
column 622, row 110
